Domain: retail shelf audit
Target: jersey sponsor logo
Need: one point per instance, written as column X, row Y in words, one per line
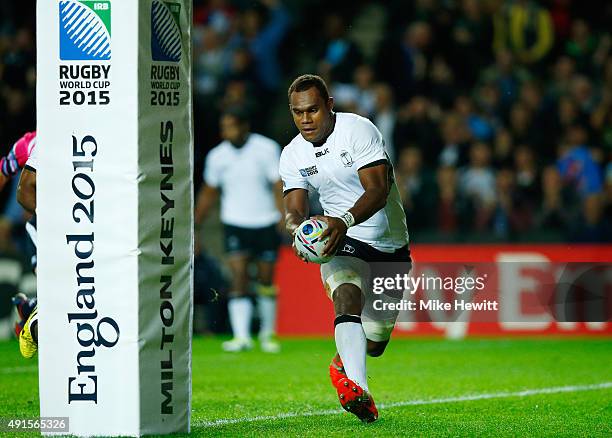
column 85, row 30
column 321, row 153
column 346, row 158
column 166, row 44
column 309, row 171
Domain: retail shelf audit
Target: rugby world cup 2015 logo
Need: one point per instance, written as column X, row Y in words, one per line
column 166, row 44
column 85, row 30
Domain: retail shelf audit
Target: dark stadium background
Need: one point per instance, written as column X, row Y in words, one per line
column 501, row 130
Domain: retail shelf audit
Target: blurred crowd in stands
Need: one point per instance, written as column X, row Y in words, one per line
column 497, row 113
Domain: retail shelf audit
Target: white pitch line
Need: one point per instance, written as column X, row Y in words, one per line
column 458, row 399
column 15, row 370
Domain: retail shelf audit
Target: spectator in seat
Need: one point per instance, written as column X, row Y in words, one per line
column 522, row 126
column 591, row 226
column 563, row 72
column 579, row 171
column 385, row 116
column 408, row 72
column 455, row 140
column 359, row 96
column 480, row 127
column 339, row 56
column 477, row 184
column 554, row 213
column 527, row 183
column 416, row 122
column 416, row 187
column 503, row 148
column 450, row 207
column 263, row 39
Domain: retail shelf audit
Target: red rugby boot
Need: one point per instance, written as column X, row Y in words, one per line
column 336, row 370
column 356, row 401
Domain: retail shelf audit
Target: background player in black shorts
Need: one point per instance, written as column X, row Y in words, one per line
column 243, row 171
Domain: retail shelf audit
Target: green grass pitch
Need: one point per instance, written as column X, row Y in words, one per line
column 423, row 387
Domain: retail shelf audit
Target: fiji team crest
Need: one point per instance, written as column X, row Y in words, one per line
column 85, row 30
column 346, row 158
column 166, row 44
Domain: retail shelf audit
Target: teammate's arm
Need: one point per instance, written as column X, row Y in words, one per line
column 26, row 190
column 207, row 197
column 296, row 208
column 376, row 183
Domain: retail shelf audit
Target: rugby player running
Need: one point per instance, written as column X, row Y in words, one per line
column 342, row 157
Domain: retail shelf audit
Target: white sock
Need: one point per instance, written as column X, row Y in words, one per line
column 267, row 314
column 351, row 344
column 240, row 313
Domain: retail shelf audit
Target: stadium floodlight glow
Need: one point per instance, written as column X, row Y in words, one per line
column 114, row 193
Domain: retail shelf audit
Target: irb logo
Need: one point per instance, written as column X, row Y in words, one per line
column 175, row 8
column 85, row 30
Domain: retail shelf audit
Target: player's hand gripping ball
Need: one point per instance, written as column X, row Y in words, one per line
column 308, row 242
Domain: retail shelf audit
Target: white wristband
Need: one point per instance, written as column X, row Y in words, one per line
column 348, row 219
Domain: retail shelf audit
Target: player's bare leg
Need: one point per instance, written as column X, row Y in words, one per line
column 352, row 346
column 240, row 307
column 266, row 304
column 376, row 349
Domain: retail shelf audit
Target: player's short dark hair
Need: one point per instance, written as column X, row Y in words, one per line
column 305, row 82
column 237, row 112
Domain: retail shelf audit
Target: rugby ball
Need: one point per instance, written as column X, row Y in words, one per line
column 308, row 242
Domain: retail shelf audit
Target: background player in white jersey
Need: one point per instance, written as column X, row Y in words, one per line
column 243, row 169
column 342, row 157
